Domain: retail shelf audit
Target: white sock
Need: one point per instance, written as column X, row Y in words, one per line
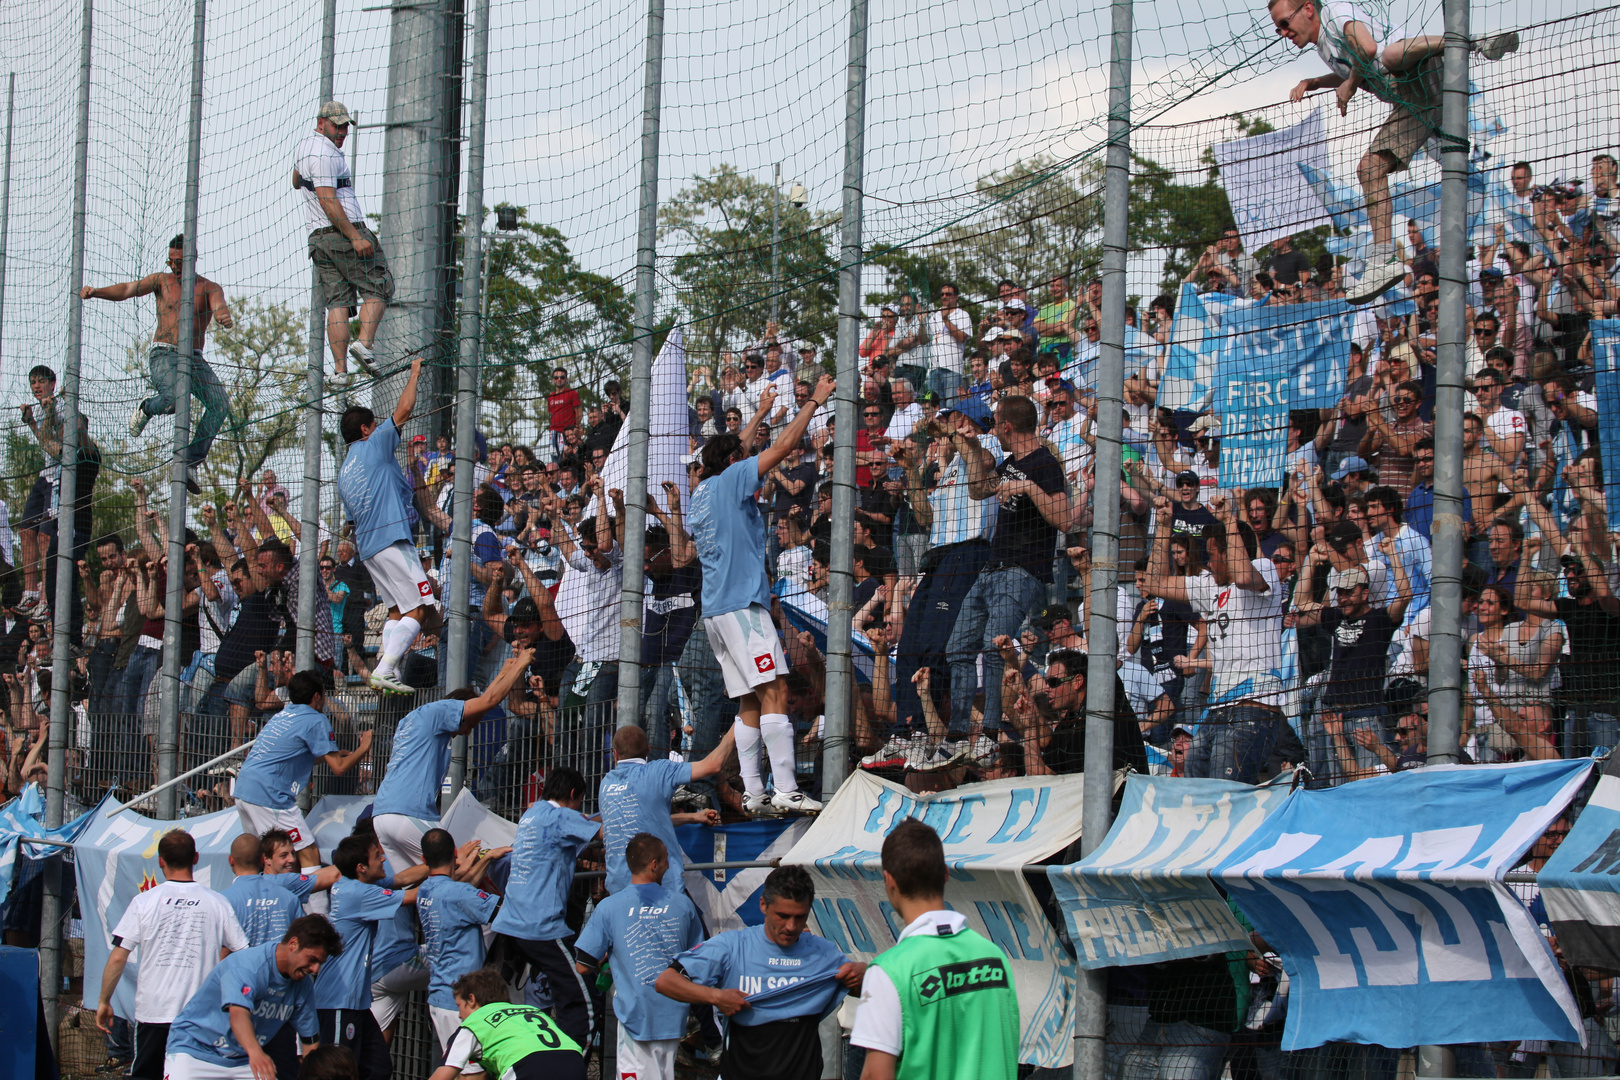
column 389, row 653
column 409, row 630
column 777, row 732
column 748, row 739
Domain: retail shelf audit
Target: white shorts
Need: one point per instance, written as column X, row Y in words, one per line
column 644, row 1060
column 401, row 840
column 397, row 572
column 749, row 651
column 259, row 820
column 186, row 1067
column 388, row 993
column 445, row 1022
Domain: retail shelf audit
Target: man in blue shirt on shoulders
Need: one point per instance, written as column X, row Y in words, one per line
column 278, row 765
column 730, row 537
column 377, row 497
column 635, row 796
column 246, row 1000
column 549, row 838
column 453, row 915
column 773, row 981
column 640, row 930
column 421, row 757
column 361, row 899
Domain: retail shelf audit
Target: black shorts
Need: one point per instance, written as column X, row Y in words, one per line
column 38, row 506
column 151, row 1040
column 550, row 1065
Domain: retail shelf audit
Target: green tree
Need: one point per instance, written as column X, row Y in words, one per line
column 719, row 228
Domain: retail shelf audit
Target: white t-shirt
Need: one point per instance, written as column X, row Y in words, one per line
column 588, row 605
column 321, row 164
column 1330, row 43
column 175, row 929
column 1416, row 627
column 943, row 350
column 1505, row 423
column 1244, row 635
column 904, row 421
column 877, row 1017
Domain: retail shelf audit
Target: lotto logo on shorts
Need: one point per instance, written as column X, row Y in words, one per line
column 296, row 835
column 424, row 588
column 765, row 663
column 627, row 1076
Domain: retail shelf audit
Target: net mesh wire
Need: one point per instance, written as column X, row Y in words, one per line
column 984, row 143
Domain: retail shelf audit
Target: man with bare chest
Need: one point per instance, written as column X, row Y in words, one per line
column 163, row 355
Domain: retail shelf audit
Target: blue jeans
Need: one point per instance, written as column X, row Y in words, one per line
column 478, row 635
column 657, row 683
column 711, row 711
column 946, row 383
column 997, row 604
column 1324, row 758
column 934, row 607
column 1587, row 727
column 1234, row 743
column 163, row 373
column 137, row 680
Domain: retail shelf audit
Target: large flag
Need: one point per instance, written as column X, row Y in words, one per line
column 1145, row 895
column 668, row 423
column 729, row 899
column 1189, row 366
column 1269, row 196
column 1606, row 365
column 991, row 831
column 1580, row 885
column 1386, row 902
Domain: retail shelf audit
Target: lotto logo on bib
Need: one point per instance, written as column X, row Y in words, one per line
column 952, row 979
column 424, row 588
column 765, row 663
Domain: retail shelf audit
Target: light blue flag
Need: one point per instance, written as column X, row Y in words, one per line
column 1343, row 203
column 1189, row 368
column 1145, row 894
column 1580, row 885
column 1386, row 902
column 1606, row 362
column 729, row 899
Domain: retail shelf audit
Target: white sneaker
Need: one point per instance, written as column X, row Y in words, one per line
column 340, row 381
column 388, row 683
column 895, row 752
column 193, row 485
column 980, row 750
column 364, row 356
column 137, row 421
column 943, row 755
column 1497, row 45
column 795, row 802
column 1379, row 279
column 757, row 805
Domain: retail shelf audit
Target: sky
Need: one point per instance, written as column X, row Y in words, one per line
column 955, row 91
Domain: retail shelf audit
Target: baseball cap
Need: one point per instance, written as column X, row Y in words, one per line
column 1184, row 729
column 1187, row 476
column 1209, row 424
column 335, row 112
column 994, row 334
column 929, row 398
column 1012, row 303
column 1349, row 465
column 1347, row 579
column 1343, row 534
column 973, row 407
column 418, row 438
column 1050, row 616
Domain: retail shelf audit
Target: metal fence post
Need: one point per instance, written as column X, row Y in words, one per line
column 5, row 193
column 54, row 906
column 468, row 375
column 841, row 583
column 641, row 361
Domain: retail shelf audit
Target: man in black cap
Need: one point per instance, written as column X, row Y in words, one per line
column 1188, row 515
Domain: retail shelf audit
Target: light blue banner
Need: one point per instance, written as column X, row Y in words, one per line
column 1606, row 364
column 1580, row 885
column 1385, row 900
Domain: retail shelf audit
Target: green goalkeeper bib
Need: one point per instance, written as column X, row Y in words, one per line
column 509, row 1033
column 959, row 1012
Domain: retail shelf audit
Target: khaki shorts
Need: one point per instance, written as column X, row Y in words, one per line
column 344, row 275
column 1416, row 119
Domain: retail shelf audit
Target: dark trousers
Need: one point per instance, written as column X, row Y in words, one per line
column 282, row 1047
column 929, row 619
column 570, row 999
column 150, row 1042
column 357, row 1029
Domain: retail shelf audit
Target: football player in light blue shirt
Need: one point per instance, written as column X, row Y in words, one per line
column 635, row 796
column 453, row 915
column 278, row 764
column 730, row 537
column 377, row 497
column 266, row 904
column 361, row 899
column 640, row 930
column 421, row 757
column 247, row 999
column 549, row 838
column 774, row 981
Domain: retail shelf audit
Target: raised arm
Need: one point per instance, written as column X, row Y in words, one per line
column 407, row 396
column 341, row 763
column 715, row 761
column 981, row 466
column 750, row 430
column 473, row 710
column 1244, row 575
column 793, row 434
column 124, row 290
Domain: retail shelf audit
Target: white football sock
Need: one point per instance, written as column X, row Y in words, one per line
column 777, row 732
column 748, row 739
column 388, row 652
column 409, row 630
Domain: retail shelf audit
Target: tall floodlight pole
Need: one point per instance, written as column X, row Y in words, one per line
column 168, row 734
column 776, row 265
column 52, row 907
column 1091, row 1004
column 641, row 361
column 841, row 585
column 309, row 497
column 468, row 374
column 5, row 193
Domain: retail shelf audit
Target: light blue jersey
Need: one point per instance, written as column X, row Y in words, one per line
column 639, row 930
column 549, row 838
column 787, row 983
column 375, row 493
column 279, row 761
column 634, row 798
column 266, row 905
column 250, row 979
column 357, row 908
column 730, row 537
column 420, row 758
column 453, row 915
